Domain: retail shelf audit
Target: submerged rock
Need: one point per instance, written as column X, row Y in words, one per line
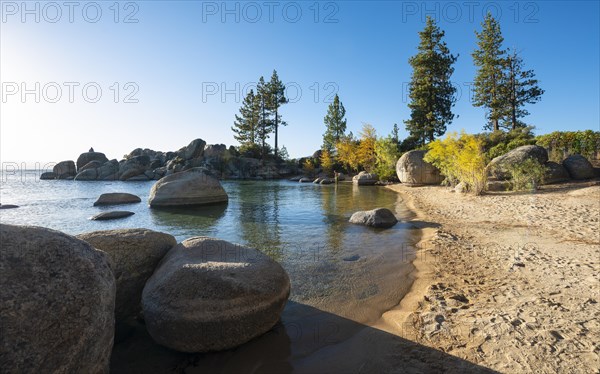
column 211, row 295
column 380, row 218
column 8, row 206
column 412, row 170
column 579, row 167
column 134, row 254
column 56, row 303
column 191, row 187
column 117, row 198
column 112, row 215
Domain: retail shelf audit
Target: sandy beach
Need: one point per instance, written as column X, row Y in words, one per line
column 507, row 281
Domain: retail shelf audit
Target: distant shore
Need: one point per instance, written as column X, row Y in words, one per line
column 509, row 281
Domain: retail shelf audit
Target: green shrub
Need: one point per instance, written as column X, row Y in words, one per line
column 561, row 144
column 499, row 142
column 386, row 156
column 527, row 175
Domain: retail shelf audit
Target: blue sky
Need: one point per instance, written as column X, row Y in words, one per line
column 177, row 53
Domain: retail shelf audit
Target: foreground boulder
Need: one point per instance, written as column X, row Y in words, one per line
column 88, row 157
column 117, row 198
column 211, row 295
column 414, row 171
column 105, row 216
column 579, row 167
column 64, row 170
column 134, row 253
column 555, row 173
column 191, row 187
column 498, row 167
column 380, row 218
column 365, row 179
column 56, row 303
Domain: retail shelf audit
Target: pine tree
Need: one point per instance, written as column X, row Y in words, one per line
column 520, row 88
column 490, row 60
column 265, row 125
column 430, row 89
column 277, row 98
column 245, row 126
column 335, row 124
column 395, row 135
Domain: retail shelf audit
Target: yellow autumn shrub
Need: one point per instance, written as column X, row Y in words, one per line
column 460, row 158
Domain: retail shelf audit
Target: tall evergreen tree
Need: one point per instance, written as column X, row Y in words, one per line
column 430, row 90
column 265, row 124
column 335, row 124
column 245, row 126
column 277, row 98
column 490, row 59
column 395, row 135
column 520, row 88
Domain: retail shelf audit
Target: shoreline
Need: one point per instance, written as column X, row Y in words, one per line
column 397, row 320
column 507, row 281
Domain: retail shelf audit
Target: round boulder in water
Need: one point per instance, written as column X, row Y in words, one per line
column 187, row 188
column 380, row 218
column 211, row 295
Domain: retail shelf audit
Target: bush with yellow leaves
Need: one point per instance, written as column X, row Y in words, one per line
column 460, row 159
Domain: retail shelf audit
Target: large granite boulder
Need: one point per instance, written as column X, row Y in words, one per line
column 193, row 150
column 412, row 170
column 117, row 198
column 555, row 173
column 109, row 171
column 134, row 254
column 211, row 295
column 87, row 175
column 64, row 170
column 91, row 165
column 57, row 303
column 191, row 187
column 498, row 167
column 379, row 217
column 365, row 179
column 133, row 167
column 579, row 167
column 215, row 150
column 87, row 157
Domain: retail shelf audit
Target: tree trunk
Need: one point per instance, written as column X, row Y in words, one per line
column 276, row 130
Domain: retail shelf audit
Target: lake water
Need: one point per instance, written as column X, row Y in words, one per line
column 350, row 271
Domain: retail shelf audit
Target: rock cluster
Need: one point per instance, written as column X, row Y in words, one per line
column 147, row 164
column 62, row 297
column 573, row 167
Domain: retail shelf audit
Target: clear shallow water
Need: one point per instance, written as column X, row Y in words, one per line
column 354, row 271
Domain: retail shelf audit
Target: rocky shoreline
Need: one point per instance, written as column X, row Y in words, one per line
column 147, row 164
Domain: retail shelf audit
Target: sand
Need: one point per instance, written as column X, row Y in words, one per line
column 506, row 281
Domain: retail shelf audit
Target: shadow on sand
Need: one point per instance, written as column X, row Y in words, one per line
column 306, row 340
